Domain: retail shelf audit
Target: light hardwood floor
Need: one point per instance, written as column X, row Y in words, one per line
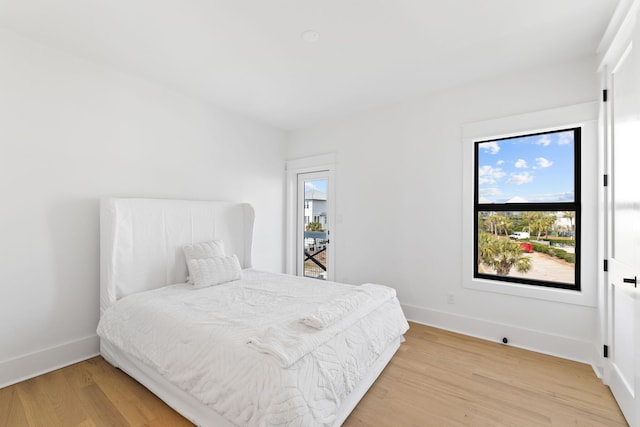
column 437, row 378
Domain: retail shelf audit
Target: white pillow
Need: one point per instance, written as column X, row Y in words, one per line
column 210, row 249
column 214, row 271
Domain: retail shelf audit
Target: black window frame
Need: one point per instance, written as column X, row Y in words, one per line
column 574, row 206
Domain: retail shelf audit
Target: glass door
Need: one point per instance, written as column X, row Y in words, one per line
column 314, row 223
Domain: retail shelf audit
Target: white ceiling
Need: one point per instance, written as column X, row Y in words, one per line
column 248, row 56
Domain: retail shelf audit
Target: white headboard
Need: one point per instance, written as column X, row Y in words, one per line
column 141, row 240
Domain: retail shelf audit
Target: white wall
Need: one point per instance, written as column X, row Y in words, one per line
column 72, row 131
column 399, row 205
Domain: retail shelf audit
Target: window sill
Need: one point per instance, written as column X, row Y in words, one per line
column 530, row 291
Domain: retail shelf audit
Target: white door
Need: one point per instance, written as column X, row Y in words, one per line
column 623, row 229
column 315, row 220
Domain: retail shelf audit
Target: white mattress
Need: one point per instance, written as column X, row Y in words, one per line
column 198, row 340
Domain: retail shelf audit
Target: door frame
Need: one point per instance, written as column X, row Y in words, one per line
column 324, row 163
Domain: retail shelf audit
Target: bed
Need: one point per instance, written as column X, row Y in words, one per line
column 256, row 349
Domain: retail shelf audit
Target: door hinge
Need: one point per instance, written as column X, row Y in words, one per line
column 604, row 95
column 606, row 180
column 606, row 351
column 606, row 265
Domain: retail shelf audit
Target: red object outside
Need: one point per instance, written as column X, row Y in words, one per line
column 526, row 247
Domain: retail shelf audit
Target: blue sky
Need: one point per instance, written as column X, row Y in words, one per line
column 527, row 169
column 318, row 184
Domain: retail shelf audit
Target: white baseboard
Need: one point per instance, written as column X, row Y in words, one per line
column 31, row 365
column 541, row 342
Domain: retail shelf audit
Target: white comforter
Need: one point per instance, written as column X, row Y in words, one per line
column 217, row 344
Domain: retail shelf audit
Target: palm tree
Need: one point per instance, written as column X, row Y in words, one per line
column 505, row 224
column 314, row 226
column 540, row 222
column 502, row 254
column 530, row 217
column 492, row 223
column 485, row 249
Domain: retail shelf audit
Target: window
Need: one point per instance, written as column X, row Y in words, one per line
column 527, row 209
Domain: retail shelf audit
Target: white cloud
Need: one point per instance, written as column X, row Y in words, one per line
column 564, row 197
column 499, row 162
column 543, row 163
column 489, row 192
column 517, row 199
column 491, row 146
column 489, row 195
column 520, row 178
column 521, row 164
column 544, row 140
column 489, row 175
column 555, row 197
column 564, row 138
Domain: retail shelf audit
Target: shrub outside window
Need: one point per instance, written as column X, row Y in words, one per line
column 527, row 209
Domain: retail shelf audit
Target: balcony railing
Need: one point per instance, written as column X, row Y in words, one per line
column 315, row 254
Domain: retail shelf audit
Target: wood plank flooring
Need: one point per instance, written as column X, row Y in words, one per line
column 437, row 378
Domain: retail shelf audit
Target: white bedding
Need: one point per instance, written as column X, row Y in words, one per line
column 203, row 341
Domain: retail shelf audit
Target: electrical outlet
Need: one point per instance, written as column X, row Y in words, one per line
column 451, row 299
